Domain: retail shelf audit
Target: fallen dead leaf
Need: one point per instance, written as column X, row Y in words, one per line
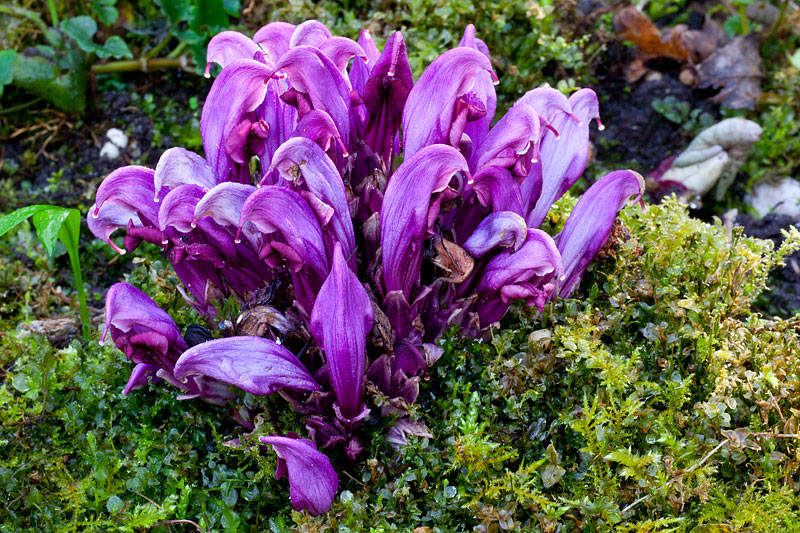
column 737, row 69
column 453, row 259
column 702, row 43
column 634, row 26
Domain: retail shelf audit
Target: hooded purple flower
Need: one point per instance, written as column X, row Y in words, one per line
column 312, row 481
column 298, row 214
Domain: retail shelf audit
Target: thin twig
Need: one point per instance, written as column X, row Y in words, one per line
column 691, row 469
column 20, row 107
column 172, row 522
column 148, row 499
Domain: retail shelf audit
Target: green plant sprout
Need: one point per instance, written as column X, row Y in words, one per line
column 51, row 223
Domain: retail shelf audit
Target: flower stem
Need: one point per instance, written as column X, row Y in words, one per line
column 142, row 64
column 53, row 13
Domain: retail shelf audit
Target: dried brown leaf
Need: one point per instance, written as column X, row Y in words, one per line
column 737, row 69
column 634, row 26
column 453, row 259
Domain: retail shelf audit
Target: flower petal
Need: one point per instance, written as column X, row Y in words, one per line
column 385, row 95
column 274, row 39
column 309, row 33
column 178, row 166
column 502, row 229
column 527, row 273
column 238, row 90
column 139, row 376
column 483, row 89
column 508, row 144
column 302, row 161
column 341, row 318
column 130, row 188
column 429, row 112
column 274, row 209
column 590, row 223
column 341, row 50
column 314, row 75
column 177, row 208
column 408, row 212
column 312, row 481
column 227, row 46
column 564, row 158
column 224, row 203
column 254, row 364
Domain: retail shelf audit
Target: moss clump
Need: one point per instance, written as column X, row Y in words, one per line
column 653, row 400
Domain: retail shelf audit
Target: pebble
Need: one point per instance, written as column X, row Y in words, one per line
column 781, row 197
column 109, row 150
column 118, row 137
column 117, row 141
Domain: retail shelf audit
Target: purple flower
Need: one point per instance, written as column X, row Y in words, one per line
column 258, row 366
column 298, row 214
column 588, row 227
column 340, row 321
column 312, row 481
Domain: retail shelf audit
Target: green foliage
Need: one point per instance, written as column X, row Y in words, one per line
column 51, row 223
column 680, row 112
column 59, row 70
column 652, row 401
column 531, row 42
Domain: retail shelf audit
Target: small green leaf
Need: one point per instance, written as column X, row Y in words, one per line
column 21, row 382
column 105, row 11
column 551, row 475
column 232, row 7
column 178, row 10
column 794, row 59
column 552, row 454
column 81, row 30
column 115, row 47
column 6, row 68
column 114, row 504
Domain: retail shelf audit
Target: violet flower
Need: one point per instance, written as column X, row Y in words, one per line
column 350, row 265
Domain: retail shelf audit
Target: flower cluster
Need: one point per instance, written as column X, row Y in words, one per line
column 349, row 266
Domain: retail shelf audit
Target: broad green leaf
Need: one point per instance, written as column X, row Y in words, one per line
column 6, row 68
column 15, row 218
column 33, row 72
column 43, row 77
column 48, row 225
column 232, row 7
column 115, row 47
column 179, row 10
column 211, row 14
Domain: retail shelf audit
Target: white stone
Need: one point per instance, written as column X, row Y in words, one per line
column 118, row 137
column 109, row 150
column 781, row 197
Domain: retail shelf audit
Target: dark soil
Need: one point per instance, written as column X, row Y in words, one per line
column 634, row 132
column 74, row 149
column 784, row 298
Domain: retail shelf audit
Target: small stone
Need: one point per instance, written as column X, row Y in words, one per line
column 688, row 76
column 109, row 150
column 118, row 137
column 781, row 197
column 654, row 75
